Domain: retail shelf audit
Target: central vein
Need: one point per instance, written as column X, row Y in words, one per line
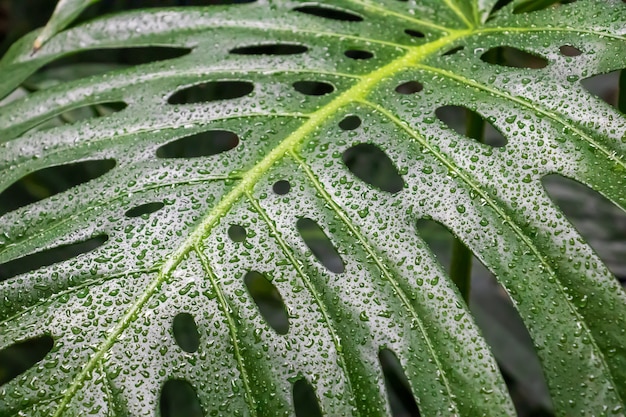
column 357, row 92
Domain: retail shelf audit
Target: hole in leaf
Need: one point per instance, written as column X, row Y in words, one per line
column 453, row 51
column 304, row 399
column 370, row 164
column 607, row 87
column 186, row 332
column 471, row 124
column 147, row 208
column 510, row 342
column 409, row 87
column 92, row 111
column 211, row 2
column 499, row 5
column 49, row 181
column 438, row 238
column 211, row 91
column 499, row 322
column 268, row 300
column 125, row 56
column 48, row 257
column 321, row 246
column 236, row 233
column 271, row 49
column 179, row 398
column 330, row 13
column 401, row 399
column 86, row 112
column 414, row 33
column 509, row 56
column 451, row 254
column 313, row 88
column 350, row 122
column 531, row 6
column 21, row 356
column 207, row 143
column 600, row 222
column 569, row 50
column 281, row 187
column 358, row 54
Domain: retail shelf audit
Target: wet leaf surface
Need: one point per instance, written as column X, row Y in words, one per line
column 161, row 310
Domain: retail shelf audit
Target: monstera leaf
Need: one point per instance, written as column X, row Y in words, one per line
column 227, row 236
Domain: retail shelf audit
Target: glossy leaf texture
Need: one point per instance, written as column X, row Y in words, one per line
column 64, row 13
column 274, row 213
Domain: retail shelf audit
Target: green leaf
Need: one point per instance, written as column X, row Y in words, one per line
column 213, row 232
column 64, row 13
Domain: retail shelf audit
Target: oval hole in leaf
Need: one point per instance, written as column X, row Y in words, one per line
column 409, row 87
column 329, row 13
column 321, row 246
column 600, row 222
column 125, row 56
column 268, row 300
column 358, row 54
column 92, row 111
column 211, row 91
column 236, row 233
column 21, row 356
column 271, row 49
column 499, row 321
column 186, row 332
column 607, row 87
column 86, row 112
column 453, row 51
column 281, row 187
column 147, row 208
column 350, row 122
column 370, row 164
column 401, row 399
column 179, row 398
column 48, row 257
column 211, row 142
column 569, row 50
column 499, row 5
column 531, row 6
column 509, row 56
column 304, row 399
column 47, row 182
column 414, row 33
column 313, row 88
column 458, row 117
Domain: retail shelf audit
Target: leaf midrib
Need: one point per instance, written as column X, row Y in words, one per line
column 246, row 185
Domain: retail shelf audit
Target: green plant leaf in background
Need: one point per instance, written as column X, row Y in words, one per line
column 64, row 13
column 225, row 237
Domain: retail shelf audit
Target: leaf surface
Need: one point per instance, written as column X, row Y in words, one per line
column 283, row 77
column 64, row 13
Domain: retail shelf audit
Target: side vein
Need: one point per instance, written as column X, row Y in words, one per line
column 530, row 106
column 507, row 220
column 249, row 179
column 345, row 219
column 231, row 328
column 307, row 283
